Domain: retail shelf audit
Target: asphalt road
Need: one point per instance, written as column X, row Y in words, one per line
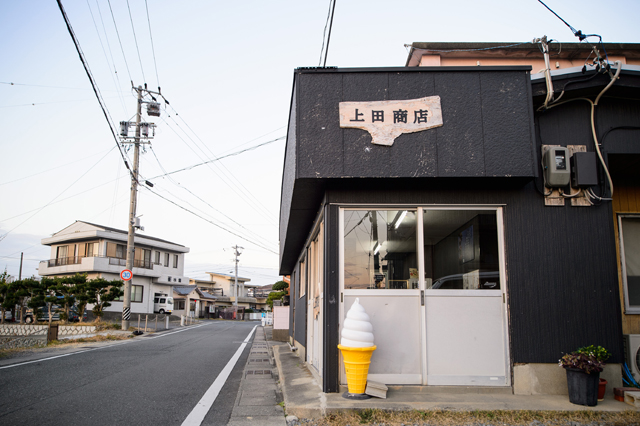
column 154, row 380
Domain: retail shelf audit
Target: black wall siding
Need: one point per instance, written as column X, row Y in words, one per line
column 331, row 300
column 561, row 267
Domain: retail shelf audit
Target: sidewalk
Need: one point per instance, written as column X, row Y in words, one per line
column 257, row 402
column 304, row 398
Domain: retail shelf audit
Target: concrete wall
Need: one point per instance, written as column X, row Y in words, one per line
column 551, row 379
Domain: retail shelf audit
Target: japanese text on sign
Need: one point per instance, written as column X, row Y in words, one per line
column 386, row 120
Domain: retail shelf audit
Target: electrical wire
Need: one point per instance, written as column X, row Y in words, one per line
column 153, row 50
column 55, row 198
column 124, row 108
column 119, row 40
column 96, row 91
column 205, row 202
column 209, row 221
column 135, row 39
column 219, row 158
column 234, row 181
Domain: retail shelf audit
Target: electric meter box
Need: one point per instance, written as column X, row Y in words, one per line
column 584, row 169
column 556, row 171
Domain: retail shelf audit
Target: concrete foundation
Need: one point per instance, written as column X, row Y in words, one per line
column 550, row 379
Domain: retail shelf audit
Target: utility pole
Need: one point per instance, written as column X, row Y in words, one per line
column 235, row 289
column 133, row 201
column 20, row 273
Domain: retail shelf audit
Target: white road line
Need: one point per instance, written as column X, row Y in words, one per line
column 201, row 409
column 95, row 349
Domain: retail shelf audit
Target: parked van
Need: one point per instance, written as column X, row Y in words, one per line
column 162, row 304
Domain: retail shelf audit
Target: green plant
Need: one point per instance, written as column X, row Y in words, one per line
column 600, row 353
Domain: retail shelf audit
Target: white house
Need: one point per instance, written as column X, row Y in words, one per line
column 222, row 286
column 101, row 251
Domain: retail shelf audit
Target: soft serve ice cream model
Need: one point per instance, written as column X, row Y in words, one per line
column 356, row 345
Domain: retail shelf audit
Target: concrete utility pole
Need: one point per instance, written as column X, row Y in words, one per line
column 133, row 201
column 153, row 109
column 235, row 288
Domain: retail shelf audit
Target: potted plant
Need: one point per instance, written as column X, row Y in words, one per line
column 601, row 355
column 583, row 369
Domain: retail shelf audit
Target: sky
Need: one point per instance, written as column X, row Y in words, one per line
column 226, row 69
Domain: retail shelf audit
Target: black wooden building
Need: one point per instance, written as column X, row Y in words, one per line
column 448, row 236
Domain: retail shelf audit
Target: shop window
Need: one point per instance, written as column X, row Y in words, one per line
column 461, row 250
column 380, row 249
column 629, row 229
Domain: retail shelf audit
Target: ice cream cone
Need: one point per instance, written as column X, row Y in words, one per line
column 356, row 365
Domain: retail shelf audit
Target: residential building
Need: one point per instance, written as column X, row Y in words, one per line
column 201, row 303
column 222, row 287
column 101, row 251
column 441, row 209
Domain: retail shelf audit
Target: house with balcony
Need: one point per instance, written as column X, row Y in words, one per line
column 222, row 287
column 101, row 252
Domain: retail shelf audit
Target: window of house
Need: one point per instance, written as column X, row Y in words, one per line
column 136, row 294
column 121, row 251
column 62, row 252
column 157, row 260
column 166, row 260
column 629, row 230
column 91, row 249
column 178, row 304
column 302, row 281
column 175, row 260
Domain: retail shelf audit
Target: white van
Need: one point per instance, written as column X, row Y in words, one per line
column 162, row 304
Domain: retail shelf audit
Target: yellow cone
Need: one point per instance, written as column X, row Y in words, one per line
column 356, row 365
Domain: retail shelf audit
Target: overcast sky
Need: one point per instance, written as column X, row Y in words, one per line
column 227, row 70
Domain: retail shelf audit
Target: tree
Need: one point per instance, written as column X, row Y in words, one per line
column 280, row 286
column 102, row 293
column 65, row 287
column 50, row 298
column 280, row 289
column 4, row 288
column 36, row 294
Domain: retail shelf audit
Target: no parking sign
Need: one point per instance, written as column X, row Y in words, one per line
column 126, row 275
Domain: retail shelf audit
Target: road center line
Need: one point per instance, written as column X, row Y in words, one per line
column 95, row 349
column 201, row 409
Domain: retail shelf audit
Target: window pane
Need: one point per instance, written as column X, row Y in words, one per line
column 380, row 249
column 631, row 239
column 461, row 250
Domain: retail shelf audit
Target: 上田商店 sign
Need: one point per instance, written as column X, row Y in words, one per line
column 386, row 120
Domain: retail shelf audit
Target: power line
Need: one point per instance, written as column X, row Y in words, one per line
column 119, row 41
column 65, row 190
column 95, row 25
column 153, row 50
column 205, row 202
column 232, row 182
column 135, row 39
column 329, row 19
column 211, row 222
column 93, row 84
column 219, row 158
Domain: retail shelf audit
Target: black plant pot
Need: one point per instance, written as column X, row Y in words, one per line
column 583, row 387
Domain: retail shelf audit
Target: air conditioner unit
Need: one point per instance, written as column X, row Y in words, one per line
column 632, row 353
